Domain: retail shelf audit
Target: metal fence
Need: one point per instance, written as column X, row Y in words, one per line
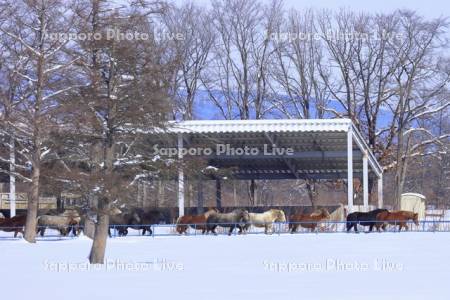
column 320, row 227
column 277, row 228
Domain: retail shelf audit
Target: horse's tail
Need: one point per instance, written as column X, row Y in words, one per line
column 179, row 228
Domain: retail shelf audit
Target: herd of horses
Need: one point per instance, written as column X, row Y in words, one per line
column 208, row 222
column 380, row 218
column 73, row 221
column 242, row 220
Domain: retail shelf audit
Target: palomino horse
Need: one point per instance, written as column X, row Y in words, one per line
column 266, row 219
column 400, row 218
column 363, row 218
column 14, row 224
column 63, row 222
column 232, row 220
column 308, row 221
column 197, row 222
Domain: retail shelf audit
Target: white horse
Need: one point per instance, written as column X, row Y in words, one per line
column 266, row 219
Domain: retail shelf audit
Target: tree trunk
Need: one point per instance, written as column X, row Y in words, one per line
column 400, row 167
column 218, row 194
column 200, row 199
column 12, row 177
column 98, row 249
column 253, row 195
column 97, row 255
column 33, row 202
column 145, row 194
column 159, row 199
column 310, row 190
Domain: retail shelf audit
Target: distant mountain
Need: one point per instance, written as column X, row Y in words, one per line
column 205, row 109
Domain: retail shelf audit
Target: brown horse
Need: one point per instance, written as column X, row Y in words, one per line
column 400, row 218
column 197, row 222
column 307, row 221
column 14, row 224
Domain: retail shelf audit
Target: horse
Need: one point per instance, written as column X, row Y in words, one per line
column 266, row 219
column 308, row 221
column 148, row 218
column 400, row 218
column 364, row 219
column 124, row 220
column 63, row 222
column 77, row 222
column 14, row 224
column 230, row 220
column 198, row 222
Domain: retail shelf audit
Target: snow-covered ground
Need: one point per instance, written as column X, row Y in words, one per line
column 303, row 266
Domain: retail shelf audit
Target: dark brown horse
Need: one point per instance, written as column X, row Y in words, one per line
column 307, row 221
column 198, row 222
column 400, row 218
column 238, row 218
column 14, row 224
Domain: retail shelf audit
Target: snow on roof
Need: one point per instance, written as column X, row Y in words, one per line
column 414, row 194
column 280, row 125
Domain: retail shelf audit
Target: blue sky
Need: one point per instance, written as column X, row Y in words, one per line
column 427, row 8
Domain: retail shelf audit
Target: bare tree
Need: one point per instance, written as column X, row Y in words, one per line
column 297, row 69
column 385, row 65
column 125, row 94
column 195, row 26
column 42, row 82
column 236, row 80
column 10, row 68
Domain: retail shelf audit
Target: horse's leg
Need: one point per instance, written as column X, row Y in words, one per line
column 371, row 227
column 231, row 230
column 294, row 228
column 349, row 226
column 42, row 231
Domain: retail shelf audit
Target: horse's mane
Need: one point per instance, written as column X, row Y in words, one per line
column 320, row 212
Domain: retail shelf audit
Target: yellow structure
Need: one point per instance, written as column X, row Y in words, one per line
column 22, row 201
